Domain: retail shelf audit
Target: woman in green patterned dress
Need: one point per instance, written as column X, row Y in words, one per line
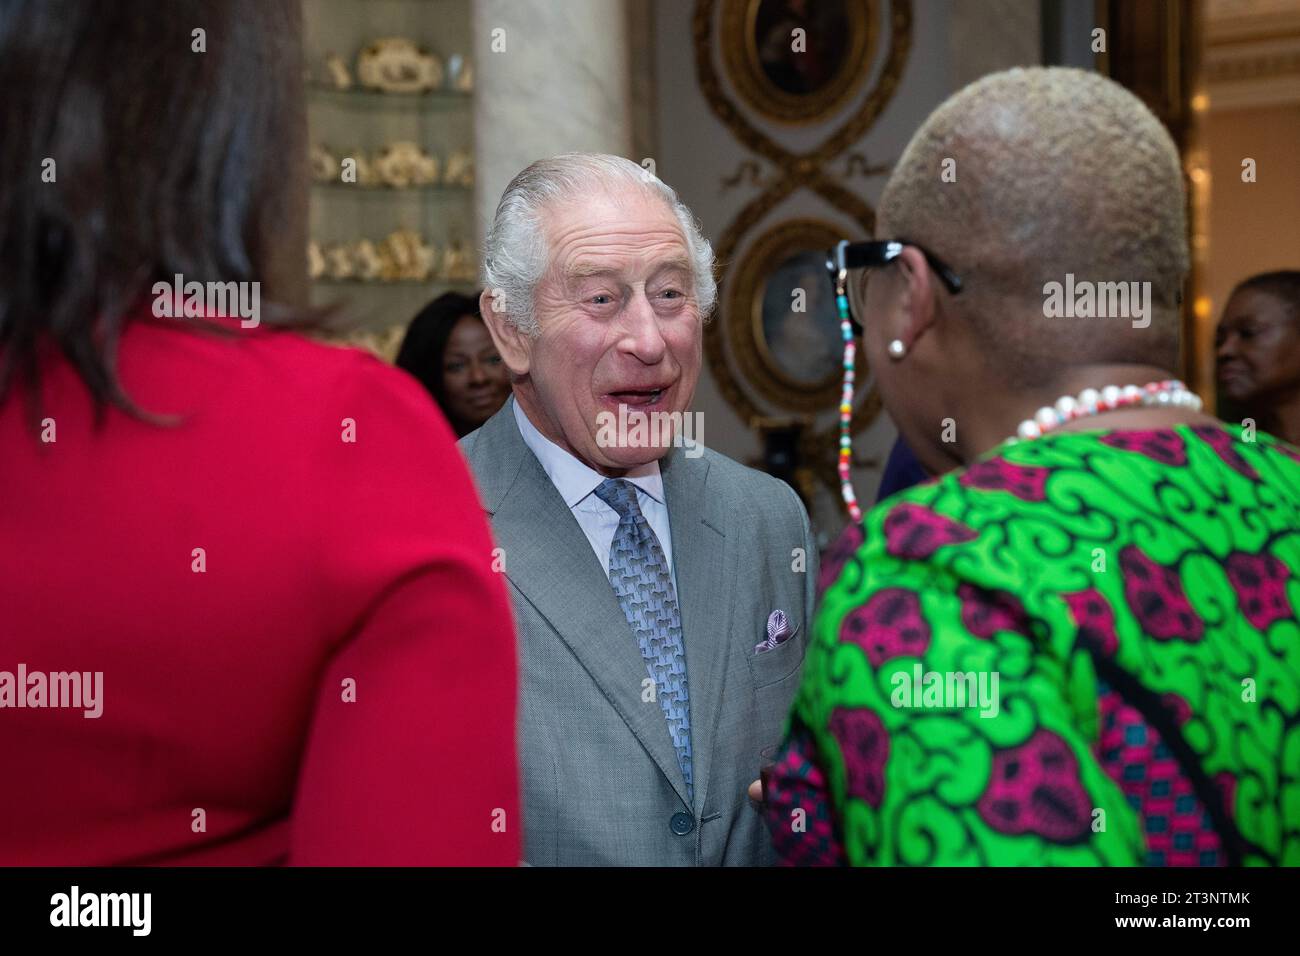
column 1080, row 645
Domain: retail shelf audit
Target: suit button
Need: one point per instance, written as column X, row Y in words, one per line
column 682, row 823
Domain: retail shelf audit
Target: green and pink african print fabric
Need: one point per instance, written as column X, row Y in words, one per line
column 1136, row 596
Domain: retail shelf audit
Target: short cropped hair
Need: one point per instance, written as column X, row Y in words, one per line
column 515, row 255
column 1053, row 171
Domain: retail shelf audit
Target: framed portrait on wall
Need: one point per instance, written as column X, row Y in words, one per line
column 797, row 328
column 783, row 325
column 798, row 61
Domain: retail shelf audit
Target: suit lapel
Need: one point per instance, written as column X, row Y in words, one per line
column 699, row 552
column 549, row 559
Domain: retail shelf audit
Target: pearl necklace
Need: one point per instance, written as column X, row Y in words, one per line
column 1170, row 393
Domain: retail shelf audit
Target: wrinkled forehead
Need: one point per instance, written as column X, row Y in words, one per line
column 631, row 232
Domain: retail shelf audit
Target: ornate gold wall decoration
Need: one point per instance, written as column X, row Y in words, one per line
column 760, row 40
column 757, row 379
column 746, row 169
column 857, row 164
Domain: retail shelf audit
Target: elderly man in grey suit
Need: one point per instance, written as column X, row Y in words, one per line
column 663, row 593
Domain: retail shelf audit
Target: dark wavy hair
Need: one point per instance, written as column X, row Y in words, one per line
column 426, row 341
column 167, row 160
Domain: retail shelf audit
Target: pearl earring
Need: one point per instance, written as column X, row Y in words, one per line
column 897, row 349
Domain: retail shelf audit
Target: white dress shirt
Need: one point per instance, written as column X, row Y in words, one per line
column 577, row 484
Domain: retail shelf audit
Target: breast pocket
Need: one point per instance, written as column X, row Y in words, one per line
column 770, row 667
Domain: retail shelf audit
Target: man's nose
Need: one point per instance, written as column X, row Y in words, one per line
column 642, row 335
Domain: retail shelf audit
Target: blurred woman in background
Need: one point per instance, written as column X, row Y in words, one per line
column 282, row 606
column 447, row 348
column 1258, row 352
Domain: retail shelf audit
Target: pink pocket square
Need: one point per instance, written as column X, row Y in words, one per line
column 778, row 632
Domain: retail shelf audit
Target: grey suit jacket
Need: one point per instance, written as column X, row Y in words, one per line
column 601, row 780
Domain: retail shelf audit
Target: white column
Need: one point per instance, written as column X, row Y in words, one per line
column 551, row 77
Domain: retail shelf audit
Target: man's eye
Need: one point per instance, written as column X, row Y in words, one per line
column 601, row 299
column 671, row 293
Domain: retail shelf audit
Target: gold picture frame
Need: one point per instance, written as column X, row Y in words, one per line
column 792, row 358
column 798, row 86
column 737, row 374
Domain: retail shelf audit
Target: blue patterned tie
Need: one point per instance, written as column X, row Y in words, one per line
column 638, row 572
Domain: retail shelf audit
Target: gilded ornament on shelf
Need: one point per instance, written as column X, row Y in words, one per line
column 315, row 260
column 460, row 73
column 403, row 164
column 369, row 263
column 339, row 76
column 399, row 65
column 460, row 169
column 456, row 264
column 338, row 261
column 324, row 164
column 407, row 256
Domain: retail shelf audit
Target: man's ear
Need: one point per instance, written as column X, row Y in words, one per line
column 513, row 345
column 916, row 298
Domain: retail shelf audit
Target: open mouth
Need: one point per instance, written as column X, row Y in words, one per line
column 637, row 397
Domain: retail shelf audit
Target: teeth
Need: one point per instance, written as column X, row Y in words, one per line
column 648, row 396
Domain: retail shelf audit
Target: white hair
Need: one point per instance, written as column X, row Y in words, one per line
column 1057, row 171
column 515, row 254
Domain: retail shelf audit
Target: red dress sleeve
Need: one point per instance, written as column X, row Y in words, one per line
column 411, row 753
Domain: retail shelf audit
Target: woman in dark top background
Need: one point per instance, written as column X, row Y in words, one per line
column 447, row 348
column 1258, row 351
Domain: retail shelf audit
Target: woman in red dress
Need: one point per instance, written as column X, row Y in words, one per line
column 248, row 610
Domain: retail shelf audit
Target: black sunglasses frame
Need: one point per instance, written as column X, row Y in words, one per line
column 875, row 253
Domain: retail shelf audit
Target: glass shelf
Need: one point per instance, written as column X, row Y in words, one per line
column 360, row 121
column 360, row 98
